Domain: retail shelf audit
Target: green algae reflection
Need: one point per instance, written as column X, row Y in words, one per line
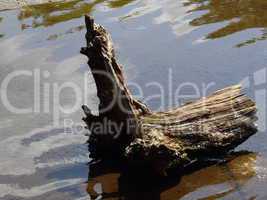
column 235, row 16
column 239, row 16
column 56, row 12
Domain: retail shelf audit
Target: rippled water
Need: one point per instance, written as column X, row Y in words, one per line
column 201, row 41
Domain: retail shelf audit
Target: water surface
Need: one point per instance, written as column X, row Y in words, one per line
column 204, row 42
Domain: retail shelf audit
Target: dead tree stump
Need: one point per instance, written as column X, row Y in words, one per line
column 208, row 127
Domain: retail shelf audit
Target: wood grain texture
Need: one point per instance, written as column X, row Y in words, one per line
column 198, row 130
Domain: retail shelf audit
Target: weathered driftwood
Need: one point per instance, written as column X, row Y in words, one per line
column 161, row 140
column 116, row 106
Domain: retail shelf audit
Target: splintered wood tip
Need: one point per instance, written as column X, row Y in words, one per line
column 89, row 21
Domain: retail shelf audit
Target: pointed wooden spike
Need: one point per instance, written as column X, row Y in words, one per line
column 89, row 22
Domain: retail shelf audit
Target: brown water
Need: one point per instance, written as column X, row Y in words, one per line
column 221, row 42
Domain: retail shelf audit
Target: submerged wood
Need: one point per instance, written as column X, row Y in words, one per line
column 199, row 130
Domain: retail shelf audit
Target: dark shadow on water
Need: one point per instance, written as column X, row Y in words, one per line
column 115, row 181
column 1, row 35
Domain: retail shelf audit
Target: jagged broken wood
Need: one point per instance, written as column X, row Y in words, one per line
column 210, row 126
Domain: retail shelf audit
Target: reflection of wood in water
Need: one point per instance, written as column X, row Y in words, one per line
column 233, row 174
